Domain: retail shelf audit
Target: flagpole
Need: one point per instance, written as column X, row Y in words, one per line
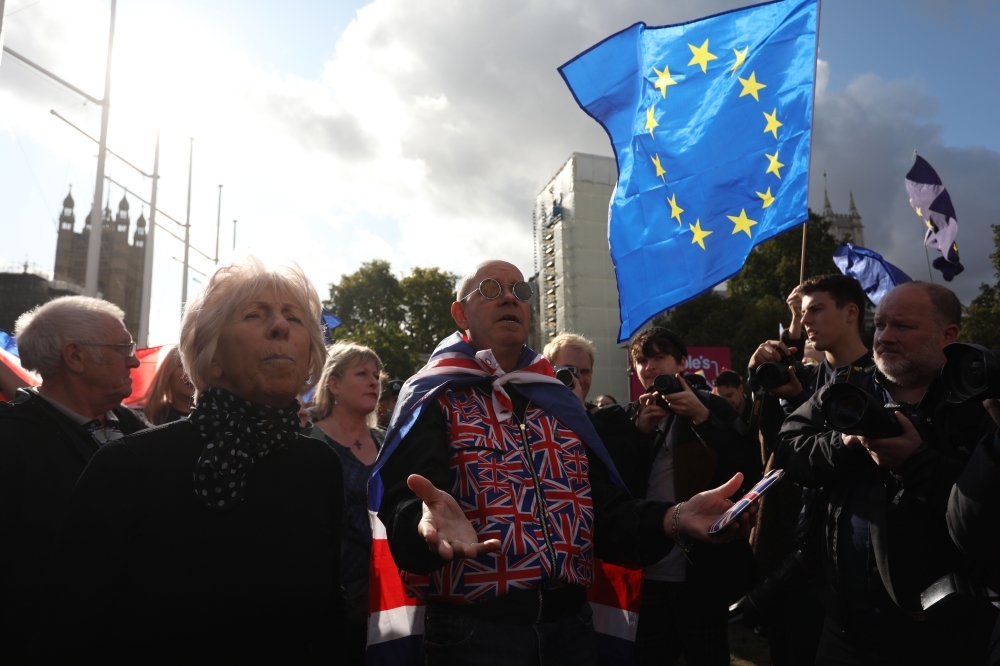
column 802, row 259
column 929, row 274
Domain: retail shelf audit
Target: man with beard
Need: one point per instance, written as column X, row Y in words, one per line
column 883, row 534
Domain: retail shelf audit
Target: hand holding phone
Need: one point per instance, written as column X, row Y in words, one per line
column 735, row 510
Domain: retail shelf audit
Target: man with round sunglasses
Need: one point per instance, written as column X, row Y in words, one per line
column 496, row 493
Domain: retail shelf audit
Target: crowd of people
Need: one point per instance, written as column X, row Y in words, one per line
column 229, row 520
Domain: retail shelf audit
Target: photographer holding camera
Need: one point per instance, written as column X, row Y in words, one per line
column 883, row 533
column 572, row 359
column 687, row 440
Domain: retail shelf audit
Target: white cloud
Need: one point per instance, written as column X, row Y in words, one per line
column 426, row 138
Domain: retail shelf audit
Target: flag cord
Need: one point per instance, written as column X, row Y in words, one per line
column 802, row 260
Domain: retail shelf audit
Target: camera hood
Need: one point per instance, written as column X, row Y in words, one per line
column 971, row 372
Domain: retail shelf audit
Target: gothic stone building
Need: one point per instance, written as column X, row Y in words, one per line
column 119, row 279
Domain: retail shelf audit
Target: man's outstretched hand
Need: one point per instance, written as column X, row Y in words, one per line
column 443, row 526
column 701, row 511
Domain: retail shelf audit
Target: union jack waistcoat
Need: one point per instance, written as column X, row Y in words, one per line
column 527, row 487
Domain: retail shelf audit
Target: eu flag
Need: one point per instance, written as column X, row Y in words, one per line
column 710, row 122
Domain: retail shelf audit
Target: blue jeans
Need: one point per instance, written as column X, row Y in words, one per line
column 455, row 637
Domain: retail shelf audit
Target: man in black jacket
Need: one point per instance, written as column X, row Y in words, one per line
column 84, row 355
column 688, row 441
column 884, row 537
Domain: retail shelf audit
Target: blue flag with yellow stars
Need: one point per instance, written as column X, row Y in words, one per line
column 711, row 125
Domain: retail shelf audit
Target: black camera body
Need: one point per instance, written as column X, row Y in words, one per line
column 665, row 385
column 774, row 374
column 566, row 374
column 971, row 372
column 852, row 411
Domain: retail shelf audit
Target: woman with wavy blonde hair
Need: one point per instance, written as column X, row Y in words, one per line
column 170, row 395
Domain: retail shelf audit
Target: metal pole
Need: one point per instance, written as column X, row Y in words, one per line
column 2, row 2
column 94, row 248
column 218, row 223
column 234, row 235
column 147, row 267
column 802, row 259
column 930, row 276
column 187, row 231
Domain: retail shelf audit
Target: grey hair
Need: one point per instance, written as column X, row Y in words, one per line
column 339, row 358
column 227, row 290
column 43, row 333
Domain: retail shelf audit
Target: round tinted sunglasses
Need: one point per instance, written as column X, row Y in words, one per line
column 491, row 289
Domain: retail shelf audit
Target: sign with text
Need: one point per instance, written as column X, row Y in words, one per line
column 708, row 361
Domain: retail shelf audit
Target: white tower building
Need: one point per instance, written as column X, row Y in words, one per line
column 577, row 292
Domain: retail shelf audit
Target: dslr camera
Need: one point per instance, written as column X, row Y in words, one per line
column 971, row 371
column 566, row 374
column 665, row 385
column 774, row 374
column 852, row 411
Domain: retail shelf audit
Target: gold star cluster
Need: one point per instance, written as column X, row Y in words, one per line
column 702, row 57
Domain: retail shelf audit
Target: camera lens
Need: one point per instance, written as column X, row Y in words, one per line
column 972, row 373
column 565, row 376
column 772, row 375
column 846, row 411
column 666, row 384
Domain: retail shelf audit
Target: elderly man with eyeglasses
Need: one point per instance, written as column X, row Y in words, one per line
column 84, row 355
column 497, row 494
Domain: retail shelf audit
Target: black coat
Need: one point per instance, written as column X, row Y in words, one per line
column 42, row 454
column 906, row 506
column 143, row 572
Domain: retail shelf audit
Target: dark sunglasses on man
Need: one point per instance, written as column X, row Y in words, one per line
column 491, row 289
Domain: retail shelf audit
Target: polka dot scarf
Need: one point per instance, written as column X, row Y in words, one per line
column 235, row 432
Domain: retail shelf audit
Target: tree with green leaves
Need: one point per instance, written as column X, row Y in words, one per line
column 981, row 320
column 399, row 319
column 754, row 304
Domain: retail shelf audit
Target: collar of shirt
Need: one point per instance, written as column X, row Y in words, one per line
column 102, row 432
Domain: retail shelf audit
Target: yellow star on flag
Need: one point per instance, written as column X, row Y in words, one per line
column 775, row 164
column 701, row 56
column 742, row 222
column 659, row 169
column 741, row 57
column 699, row 235
column 650, row 120
column 919, row 212
column 663, row 80
column 675, row 210
column 928, row 223
column 772, row 122
column 750, row 86
column 766, row 196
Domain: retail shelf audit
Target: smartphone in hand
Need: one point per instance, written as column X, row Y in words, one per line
column 735, row 510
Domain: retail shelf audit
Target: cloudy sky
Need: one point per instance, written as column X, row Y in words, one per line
column 419, row 131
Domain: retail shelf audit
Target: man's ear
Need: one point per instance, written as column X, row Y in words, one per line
column 853, row 312
column 72, row 356
column 458, row 314
column 949, row 334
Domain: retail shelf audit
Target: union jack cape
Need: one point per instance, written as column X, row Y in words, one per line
column 395, row 622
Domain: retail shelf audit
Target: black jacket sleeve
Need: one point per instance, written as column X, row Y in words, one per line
column 811, row 454
column 974, row 511
column 423, row 451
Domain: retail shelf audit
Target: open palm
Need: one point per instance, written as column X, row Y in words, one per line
column 443, row 526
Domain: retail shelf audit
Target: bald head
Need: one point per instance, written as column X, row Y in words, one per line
column 471, row 280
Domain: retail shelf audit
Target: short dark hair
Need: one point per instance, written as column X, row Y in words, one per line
column 728, row 378
column 843, row 289
column 947, row 307
column 658, row 340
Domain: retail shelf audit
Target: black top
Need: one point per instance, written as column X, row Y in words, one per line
column 142, row 571
column 42, row 454
column 357, row 552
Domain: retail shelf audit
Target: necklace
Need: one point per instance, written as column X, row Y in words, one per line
column 357, row 442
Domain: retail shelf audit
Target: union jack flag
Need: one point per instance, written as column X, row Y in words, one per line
column 396, row 618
